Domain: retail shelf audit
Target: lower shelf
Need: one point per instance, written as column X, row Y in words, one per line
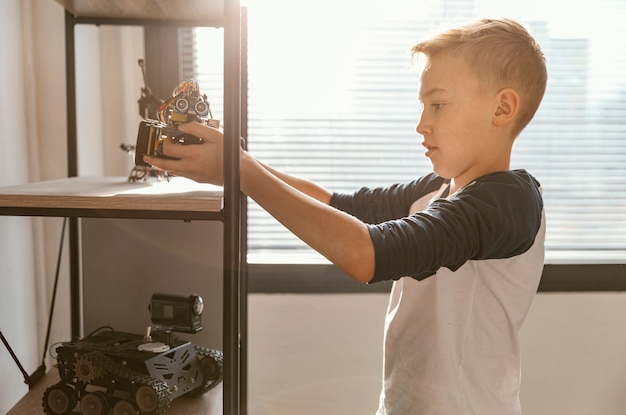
column 209, row 403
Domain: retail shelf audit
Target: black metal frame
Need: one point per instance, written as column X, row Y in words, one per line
column 233, row 215
column 328, row 279
column 110, row 213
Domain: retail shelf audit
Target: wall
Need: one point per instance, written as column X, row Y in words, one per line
column 313, row 354
column 125, row 261
column 573, row 349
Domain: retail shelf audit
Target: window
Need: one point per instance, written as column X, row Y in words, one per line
column 332, row 97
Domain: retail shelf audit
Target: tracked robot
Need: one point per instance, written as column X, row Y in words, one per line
column 112, row 372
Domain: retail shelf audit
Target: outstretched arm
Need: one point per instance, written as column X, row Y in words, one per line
column 300, row 205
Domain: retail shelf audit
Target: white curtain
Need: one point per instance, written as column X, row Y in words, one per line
column 33, row 148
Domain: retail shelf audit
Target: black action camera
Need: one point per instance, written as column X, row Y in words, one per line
column 177, row 313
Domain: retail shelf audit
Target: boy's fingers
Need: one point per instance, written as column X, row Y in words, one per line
column 174, row 149
column 179, row 151
column 159, row 163
column 199, row 130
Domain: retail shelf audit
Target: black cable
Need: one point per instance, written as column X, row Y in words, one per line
column 54, row 293
column 41, row 370
column 17, row 361
column 99, row 329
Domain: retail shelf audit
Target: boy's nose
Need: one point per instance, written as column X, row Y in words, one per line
column 421, row 127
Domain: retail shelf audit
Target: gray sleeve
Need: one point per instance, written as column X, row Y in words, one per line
column 376, row 205
column 497, row 216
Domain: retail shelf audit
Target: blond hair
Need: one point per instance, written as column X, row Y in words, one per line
column 501, row 53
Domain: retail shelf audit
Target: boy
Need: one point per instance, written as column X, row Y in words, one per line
column 464, row 244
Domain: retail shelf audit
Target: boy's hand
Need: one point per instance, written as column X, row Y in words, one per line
column 199, row 162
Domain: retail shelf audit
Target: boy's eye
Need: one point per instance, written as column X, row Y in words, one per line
column 437, row 106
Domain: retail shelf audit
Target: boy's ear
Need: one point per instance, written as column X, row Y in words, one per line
column 507, row 106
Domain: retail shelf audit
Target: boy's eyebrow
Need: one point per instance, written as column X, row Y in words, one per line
column 431, row 92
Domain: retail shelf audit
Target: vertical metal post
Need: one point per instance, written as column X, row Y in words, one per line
column 243, row 248
column 232, row 207
column 72, row 171
column 70, row 80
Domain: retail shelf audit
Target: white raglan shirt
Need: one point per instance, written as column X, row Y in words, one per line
column 451, row 338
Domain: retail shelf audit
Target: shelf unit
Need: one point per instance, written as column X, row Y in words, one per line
column 114, row 197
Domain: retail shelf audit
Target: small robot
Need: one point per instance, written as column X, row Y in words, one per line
column 186, row 104
column 118, row 373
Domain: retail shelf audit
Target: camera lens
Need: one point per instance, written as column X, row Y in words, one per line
column 197, row 304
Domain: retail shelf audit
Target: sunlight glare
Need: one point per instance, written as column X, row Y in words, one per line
column 313, row 50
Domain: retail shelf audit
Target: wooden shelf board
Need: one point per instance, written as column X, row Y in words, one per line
column 114, row 193
column 210, row 12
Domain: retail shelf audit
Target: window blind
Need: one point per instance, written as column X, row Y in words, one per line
column 332, row 97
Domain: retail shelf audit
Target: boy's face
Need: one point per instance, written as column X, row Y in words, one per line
column 456, row 122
